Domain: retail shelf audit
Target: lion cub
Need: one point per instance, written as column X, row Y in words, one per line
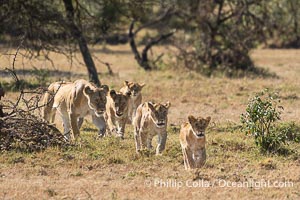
column 192, row 140
column 151, row 119
column 134, row 90
column 117, row 112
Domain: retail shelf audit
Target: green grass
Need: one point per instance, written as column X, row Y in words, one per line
column 225, row 144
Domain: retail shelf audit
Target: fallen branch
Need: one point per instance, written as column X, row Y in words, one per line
column 20, row 129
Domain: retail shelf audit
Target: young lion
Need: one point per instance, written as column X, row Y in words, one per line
column 117, row 112
column 192, row 140
column 134, row 89
column 78, row 99
column 151, row 119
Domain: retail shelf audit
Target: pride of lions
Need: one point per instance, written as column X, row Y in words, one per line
column 111, row 110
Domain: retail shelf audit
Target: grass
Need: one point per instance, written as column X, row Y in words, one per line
column 109, row 168
column 232, row 156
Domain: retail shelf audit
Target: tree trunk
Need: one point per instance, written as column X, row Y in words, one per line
column 77, row 34
column 143, row 62
column 143, row 59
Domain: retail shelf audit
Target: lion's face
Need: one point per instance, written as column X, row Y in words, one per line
column 199, row 125
column 133, row 89
column 96, row 98
column 159, row 113
column 120, row 104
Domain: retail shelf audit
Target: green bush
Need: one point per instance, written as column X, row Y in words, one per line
column 291, row 130
column 262, row 113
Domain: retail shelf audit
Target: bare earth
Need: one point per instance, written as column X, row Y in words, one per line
column 109, row 168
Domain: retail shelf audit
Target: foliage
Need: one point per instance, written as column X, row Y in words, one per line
column 211, row 35
column 221, row 34
column 262, row 113
column 283, row 23
column 291, row 130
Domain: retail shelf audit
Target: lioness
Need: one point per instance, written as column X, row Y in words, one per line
column 134, row 90
column 48, row 112
column 151, row 119
column 117, row 112
column 192, row 140
column 78, row 99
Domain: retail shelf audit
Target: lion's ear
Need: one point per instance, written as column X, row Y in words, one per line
column 141, row 85
column 191, row 119
column 167, row 105
column 151, row 106
column 105, row 88
column 113, row 94
column 126, row 83
column 88, row 90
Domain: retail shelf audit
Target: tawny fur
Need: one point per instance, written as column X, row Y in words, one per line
column 116, row 113
column 192, row 140
column 76, row 100
column 134, row 90
column 48, row 112
column 150, row 120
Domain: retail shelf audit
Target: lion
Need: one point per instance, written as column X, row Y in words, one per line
column 48, row 112
column 151, row 119
column 192, row 140
column 134, row 90
column 117, row 112
column 73, row 101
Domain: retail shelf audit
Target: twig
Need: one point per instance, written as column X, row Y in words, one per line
column 110, row 72
column 158, row 58
column 12, row 71
column 169, row 12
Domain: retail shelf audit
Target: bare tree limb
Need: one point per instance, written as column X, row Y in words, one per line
column 169, row 12
column 108, row 65
column 142, row 58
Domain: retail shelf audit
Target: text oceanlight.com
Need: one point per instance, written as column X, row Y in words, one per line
column 257, row 184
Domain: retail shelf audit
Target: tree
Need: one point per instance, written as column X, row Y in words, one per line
column 142, row 58
column 283, row 23
column 45, row 26
column 222, row 33
column 77, row 34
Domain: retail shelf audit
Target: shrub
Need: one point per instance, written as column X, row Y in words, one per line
column 262, row 113
column 291, row 130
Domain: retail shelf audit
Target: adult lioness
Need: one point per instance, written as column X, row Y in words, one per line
column 78, row 99
column 48, row 112
column 134, row 90
column 117, row 112
column 192, row 140
column 151, row 119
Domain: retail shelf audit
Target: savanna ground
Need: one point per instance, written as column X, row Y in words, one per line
column 109, row 168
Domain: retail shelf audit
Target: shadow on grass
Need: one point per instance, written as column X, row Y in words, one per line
column 254, row 72
column 34, row 78
column 35, row 72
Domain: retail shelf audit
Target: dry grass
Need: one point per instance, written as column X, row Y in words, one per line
column 110, row 169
